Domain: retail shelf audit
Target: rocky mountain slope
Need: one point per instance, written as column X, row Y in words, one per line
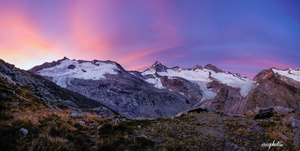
column 276, row 88
column 48, row 92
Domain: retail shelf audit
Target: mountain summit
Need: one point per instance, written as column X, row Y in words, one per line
column 213, row 68
column 158, row 67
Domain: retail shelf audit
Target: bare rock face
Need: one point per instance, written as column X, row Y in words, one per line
column 274, row 90
column 228, row 99
column 183, row 87
column 131, row 97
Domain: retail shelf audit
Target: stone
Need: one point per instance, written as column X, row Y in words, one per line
column 283, row 110
column 24, row 131
column 295, row 122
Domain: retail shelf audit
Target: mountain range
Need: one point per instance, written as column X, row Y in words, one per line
column 48, row 106
column 160, row 91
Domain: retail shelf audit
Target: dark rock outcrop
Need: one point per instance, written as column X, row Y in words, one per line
column 265, row 113
column 213, row 68
column 71, row 67
column 197, row 67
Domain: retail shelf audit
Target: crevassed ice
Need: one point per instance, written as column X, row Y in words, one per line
column 61, row 74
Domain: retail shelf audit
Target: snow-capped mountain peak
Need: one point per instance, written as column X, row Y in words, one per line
column 158, row 67
column 156, row 63
column 62, row 71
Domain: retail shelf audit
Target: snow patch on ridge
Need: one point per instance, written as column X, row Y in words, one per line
column 62, row 75
column 156, row 82
column 290, row 73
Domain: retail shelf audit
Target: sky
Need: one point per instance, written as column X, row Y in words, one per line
column 240, row 36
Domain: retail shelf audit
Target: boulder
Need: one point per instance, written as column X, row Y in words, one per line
column 283, row 110
column 264, row 113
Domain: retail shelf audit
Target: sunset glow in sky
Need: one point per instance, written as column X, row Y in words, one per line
column 243, row 36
